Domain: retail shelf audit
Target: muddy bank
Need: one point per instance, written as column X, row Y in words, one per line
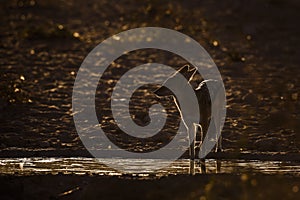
column 242, row 186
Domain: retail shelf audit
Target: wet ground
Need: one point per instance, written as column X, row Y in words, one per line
column 255, row 45
column 246, row 186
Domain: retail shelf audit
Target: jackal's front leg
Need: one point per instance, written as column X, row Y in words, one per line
column 198, row 139
column 219, row 144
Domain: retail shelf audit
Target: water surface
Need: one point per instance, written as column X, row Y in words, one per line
column 91, row 166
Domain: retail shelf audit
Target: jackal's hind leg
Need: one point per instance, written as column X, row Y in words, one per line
column 198, row 141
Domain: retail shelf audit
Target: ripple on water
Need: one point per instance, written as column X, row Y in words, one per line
column 81, row 166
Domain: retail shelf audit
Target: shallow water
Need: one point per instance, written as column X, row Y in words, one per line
column 92, row 166
column 40, row 57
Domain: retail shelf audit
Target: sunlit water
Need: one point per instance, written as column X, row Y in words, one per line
column 91, row 166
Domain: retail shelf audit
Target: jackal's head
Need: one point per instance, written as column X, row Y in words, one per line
column 187, row 71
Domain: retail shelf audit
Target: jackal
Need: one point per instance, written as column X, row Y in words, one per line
column 205, row 100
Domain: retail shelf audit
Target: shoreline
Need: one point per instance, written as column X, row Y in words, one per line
column 262, row 156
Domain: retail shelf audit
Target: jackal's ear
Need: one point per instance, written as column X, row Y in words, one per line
column 187, row 71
